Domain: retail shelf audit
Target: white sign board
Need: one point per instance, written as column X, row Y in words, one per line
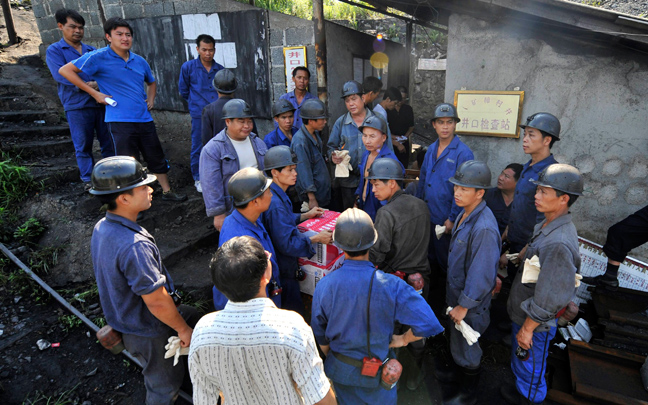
column 194, row 25
column 431, row 64
column 293, row 57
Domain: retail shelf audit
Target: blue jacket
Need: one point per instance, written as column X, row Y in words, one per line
column 195, row 85
column 434, row 187
column 371, row 204
column 339, row 317
column 61, row 53
column 345, row 135
column 524, row 215
column 237, row 225
column 218, row 162
column 293, row 100
column 472, row 272
column 312, row 172
column 281, row 223
column 277, row 137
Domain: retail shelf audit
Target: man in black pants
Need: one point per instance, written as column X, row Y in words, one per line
column 622, row 237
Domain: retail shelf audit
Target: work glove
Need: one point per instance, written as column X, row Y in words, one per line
column 531, row 270
column 439, row 230
column 513, row 257
column 174, row 350
column 343, row 168
column 468, row 333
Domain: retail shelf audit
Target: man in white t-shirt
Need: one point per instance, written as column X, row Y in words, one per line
column 234, row 148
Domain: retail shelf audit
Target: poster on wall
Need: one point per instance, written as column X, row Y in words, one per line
column 489, row 113
column 293, row 56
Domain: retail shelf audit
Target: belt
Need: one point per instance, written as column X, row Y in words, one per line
column 347, row 360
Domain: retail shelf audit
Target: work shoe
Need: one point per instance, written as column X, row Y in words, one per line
column 171, row 196
column 446, row 372
column 414, row 379
column 467, row 392
column 198, row 186
column 605, row 280
column 512, row 396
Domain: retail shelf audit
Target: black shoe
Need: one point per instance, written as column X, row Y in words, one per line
column 414, row 379
column 512, row 396
column 175, row 197
column 605, row 280
column 467, row 392
column 446, row 372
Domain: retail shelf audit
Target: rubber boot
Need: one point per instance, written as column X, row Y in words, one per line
column 416, row 374
column 512, row 396
column 467, row 392
column 446, row 372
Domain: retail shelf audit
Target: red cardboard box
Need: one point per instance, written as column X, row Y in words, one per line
column 324, row 254
column 314, row 273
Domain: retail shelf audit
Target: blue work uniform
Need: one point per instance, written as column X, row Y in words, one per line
column 435, row 189
column 218, row 162
column 293, row 100
column 345, row 135
column 237, row 225
column 473, row 260
column 312, row 172
column 339, row 320
column 195, row 85
column 83, row 113
column 369, row 203
column 289, row 243
column 277, row 137
column 497, row 205
column 524, row 215
column 556, row 245
column 127, row 264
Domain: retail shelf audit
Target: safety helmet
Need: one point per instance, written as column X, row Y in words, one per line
column 225, row 82
column 544, row 122
column 374, row 121
column 354, row 231
column 444, row 110
column 351, row 87
column 313, row 109
column 118, row 173
column 237, row 108
column 472, row 173
column 385, row 169
column 246, row 185
column 279, row 156
column 561, row 177
column 281, row 106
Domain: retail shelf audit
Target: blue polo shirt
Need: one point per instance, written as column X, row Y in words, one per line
column 434, row 187
column 293, row 100
column 127, row 264
column 195, row 85
column 59, row 54
column 123, row 80
column 524, row 215
column 339, row 317
column 237, row 225
column 281, row 223
column 277, row 137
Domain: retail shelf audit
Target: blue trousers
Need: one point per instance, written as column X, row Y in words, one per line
column 196, row 146
column 350, row 395
column 465, row 355
column 84, row 123
column 438, row 250
column 530, row 374
column 291, row 296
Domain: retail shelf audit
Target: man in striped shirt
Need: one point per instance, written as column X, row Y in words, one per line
column 251, row 352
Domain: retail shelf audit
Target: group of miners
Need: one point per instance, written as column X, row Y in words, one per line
column 452, row 230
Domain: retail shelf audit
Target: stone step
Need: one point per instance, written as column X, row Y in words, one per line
column 14, row 103
column 51, row 172
column 34, row 132
column 40, row 148
column 30, row 117
column 8, row 88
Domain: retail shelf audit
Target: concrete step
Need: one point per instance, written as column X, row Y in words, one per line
column 50, row 148
column 29, row 117
column 8, row 88
column 34, row 132
column 51, row 172
column 14, row 103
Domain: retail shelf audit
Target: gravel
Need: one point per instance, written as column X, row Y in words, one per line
column 637, row 8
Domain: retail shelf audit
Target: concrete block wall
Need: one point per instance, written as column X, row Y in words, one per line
column 598, row 91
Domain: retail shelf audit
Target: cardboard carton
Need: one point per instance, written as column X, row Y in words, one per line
column 324, row 254
column 314, row 273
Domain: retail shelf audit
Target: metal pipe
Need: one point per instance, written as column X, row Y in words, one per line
column 70, row 308
column 9, row 22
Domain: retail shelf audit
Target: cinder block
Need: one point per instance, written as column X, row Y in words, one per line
column 47, row 23
column 39, row 9
column 153, row 10
column 185, row 7
column 278, row 90
column 113, row 11
column 276, row 37
column 94, row 19
column 278, row 75
column 299, row 36
column 55, row 5
column 50, row 36
column 96, row 32
column 276, row 56
column 169, row 9
column 133, row 11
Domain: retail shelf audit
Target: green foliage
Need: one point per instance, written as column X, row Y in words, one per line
column 69, row 322
column 194, row 299
column 41, row 261
column 8, row 221
column 39, row 398
column 29, row 231
column 15, row 182
column 333, row 10
column 100, row 321
column 20, row 283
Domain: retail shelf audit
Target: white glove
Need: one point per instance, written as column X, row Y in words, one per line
column 578, row 278
column 343, row 168
column 531, row 270
column 439, row 230
column 513, row 257
column 174, row 350
column 305, row 207
column 468, row 333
